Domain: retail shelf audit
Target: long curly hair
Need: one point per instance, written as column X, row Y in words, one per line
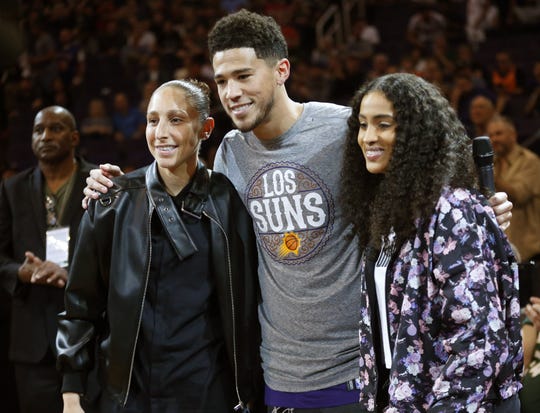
column 431, row 151
column 248, row 29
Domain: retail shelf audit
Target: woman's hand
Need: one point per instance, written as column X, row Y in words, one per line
column 502, row 208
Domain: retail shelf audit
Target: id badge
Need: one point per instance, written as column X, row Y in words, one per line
column 58, row 246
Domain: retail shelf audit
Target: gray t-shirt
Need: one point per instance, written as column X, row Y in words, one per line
column 308, row 265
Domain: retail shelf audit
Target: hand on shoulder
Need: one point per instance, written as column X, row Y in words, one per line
column 99, row 181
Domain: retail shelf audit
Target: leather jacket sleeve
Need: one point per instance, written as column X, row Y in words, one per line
column 85, row 301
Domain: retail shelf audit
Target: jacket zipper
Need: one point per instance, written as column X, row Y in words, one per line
column 240, row 404
column 141, row 309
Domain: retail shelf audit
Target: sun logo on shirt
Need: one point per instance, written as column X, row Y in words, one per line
column 293, row 211
column 291, row 243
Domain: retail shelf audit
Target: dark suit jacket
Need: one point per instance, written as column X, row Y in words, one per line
column 23, row 228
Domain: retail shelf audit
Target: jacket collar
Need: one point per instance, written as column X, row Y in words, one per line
column 37, row 199
column 192, row 205
column 195, row 199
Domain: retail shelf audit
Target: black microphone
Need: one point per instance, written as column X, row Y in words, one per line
column 483, row 158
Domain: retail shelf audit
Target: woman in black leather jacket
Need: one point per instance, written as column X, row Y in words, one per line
column 162, row 293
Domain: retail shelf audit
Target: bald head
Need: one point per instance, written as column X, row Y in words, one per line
column 54, row 135
column 61, row 113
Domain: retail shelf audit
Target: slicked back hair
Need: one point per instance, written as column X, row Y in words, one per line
column 197, row 94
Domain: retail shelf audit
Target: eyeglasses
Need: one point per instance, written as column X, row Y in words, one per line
column 50, row 207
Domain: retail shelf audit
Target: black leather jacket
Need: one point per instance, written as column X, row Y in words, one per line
column 109, row 273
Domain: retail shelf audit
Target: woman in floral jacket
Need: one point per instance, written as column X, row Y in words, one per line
column 439, row 328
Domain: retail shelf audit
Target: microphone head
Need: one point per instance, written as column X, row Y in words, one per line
column 482, row 151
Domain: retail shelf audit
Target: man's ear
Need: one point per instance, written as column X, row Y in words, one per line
column 283, row 70
column 207, row 128
column 75, row 138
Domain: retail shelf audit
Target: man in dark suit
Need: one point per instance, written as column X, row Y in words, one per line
column 40, row 211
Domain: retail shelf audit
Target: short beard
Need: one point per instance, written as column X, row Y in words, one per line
column 262, row 117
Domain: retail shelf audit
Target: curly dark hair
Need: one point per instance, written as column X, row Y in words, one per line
column 431, row 151
column 248, row 29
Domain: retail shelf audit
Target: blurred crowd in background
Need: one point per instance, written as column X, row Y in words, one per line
column 102, row 59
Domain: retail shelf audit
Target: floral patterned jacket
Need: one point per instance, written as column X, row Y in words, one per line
column 453, row 314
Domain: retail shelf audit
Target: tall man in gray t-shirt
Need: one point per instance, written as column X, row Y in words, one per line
column 282, row 160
